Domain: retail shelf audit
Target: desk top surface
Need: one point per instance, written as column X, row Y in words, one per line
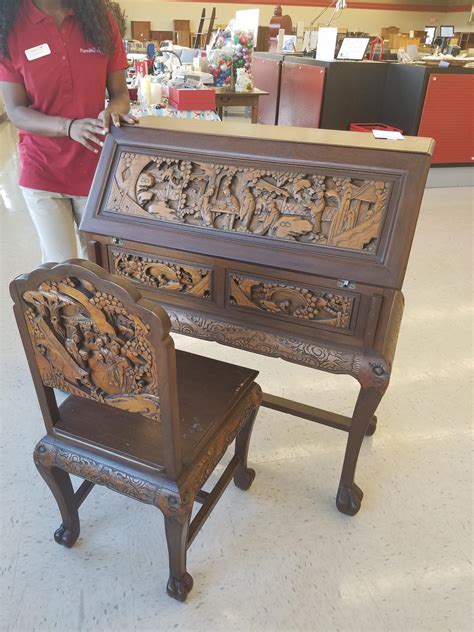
column 254, row 92
column 360, row 140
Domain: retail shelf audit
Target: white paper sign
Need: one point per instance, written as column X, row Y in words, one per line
column 306, row 40
column 38, row 51
column 387, row 135
column 327, row 37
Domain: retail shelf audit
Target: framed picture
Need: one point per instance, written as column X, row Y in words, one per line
column 289, row 44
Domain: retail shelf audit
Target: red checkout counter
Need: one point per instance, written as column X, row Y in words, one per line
column 420, row 100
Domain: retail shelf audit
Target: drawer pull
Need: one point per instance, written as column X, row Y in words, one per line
column 349, row 285
column 116, row 241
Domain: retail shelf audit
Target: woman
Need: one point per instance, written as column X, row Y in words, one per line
column 57, row 57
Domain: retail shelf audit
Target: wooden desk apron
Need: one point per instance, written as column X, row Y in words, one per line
column 288, row 242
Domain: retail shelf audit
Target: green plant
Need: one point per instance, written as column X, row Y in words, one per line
column 120, row 15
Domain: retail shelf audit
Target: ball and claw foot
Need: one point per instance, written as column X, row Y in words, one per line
column 179, row 589
column 65, row 537
column 348, row 499
column 244, row 477
column 372, row 427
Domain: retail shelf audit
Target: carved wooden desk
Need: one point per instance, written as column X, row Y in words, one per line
column 292, row 243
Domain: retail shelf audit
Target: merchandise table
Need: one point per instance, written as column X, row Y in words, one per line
column 195, row 115
column 288, row 242
column 227, row 98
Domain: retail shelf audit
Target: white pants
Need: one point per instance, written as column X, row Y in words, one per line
column 56, row 218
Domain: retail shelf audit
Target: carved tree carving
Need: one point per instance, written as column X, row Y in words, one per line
column 322, row 307
column 164, row 275
column 321, row 210
column 86, row 344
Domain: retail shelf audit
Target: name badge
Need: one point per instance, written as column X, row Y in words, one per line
column 38, row 51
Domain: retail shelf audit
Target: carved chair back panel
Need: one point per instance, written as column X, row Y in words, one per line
column 91, row 341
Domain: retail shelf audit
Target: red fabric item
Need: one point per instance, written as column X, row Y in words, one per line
column 69, row 82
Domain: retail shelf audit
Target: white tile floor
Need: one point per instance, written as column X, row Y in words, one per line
column 279, row 557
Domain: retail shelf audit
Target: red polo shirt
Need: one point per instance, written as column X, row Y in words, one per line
column 69, row 82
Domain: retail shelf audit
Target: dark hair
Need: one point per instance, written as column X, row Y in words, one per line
column 92, row 16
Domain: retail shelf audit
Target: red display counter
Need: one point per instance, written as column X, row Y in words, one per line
column 266, row 72
column 301, row 94
column 448, row 116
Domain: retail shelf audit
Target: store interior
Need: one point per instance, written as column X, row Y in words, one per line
column 219, row 90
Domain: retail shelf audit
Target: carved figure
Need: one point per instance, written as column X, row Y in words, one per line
column 317, row 209
column 87, row 345
column 247, row 210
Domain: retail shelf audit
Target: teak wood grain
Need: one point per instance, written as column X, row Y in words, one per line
column 292, row 243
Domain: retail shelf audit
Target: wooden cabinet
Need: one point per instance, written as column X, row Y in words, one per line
column 285, row 242
column 449, row 118
column 466, row 40
column 266, row 73
column 141, row 31
column 301, row 94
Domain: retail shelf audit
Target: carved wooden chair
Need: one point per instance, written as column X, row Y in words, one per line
column 140, row 418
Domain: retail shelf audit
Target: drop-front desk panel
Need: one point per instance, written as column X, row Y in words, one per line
column 292, row 243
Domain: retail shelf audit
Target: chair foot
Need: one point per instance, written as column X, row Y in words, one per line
column 372, row 427
column 244, row 477
column 179, row 589
column 66, row 537
column 348, row 499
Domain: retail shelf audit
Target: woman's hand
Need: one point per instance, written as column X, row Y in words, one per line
column 86, row 132
column 109, row 117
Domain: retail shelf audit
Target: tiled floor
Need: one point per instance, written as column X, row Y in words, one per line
column 279, row 557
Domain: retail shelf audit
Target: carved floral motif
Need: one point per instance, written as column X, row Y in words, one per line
column 164, row 275
column 317, row 356
column 320, row 210
column 87, row 344
column 323, row 307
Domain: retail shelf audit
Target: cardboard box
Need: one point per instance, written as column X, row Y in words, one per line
column 185, row 99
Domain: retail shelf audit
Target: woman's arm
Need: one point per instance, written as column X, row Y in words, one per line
column 119, row 104
column 83, row 131
column 16, row 103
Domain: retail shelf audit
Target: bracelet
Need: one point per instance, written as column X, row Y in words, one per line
column 69, row 128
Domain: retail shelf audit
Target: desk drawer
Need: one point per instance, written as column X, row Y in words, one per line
column 303, row 303
column 160, row 272
column 248, row 294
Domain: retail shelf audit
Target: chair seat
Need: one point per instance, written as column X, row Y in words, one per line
column 207, row 392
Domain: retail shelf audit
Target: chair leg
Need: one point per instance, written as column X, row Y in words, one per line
column 59, row 482
column 180, row 581
column 244, row 476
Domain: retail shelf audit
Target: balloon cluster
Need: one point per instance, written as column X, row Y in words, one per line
column 243, row 42
column 220, row 67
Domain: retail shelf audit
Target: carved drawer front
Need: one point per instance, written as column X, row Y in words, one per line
column 161, row 273
column 315, row 306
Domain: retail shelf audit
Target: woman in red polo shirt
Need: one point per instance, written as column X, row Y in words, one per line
column 57, row 57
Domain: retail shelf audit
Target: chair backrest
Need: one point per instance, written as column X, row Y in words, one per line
column 91, row 334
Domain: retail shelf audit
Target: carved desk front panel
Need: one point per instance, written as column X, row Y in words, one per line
column 309, row 208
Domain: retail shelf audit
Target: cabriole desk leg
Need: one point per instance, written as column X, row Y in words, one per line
column 374, row 383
